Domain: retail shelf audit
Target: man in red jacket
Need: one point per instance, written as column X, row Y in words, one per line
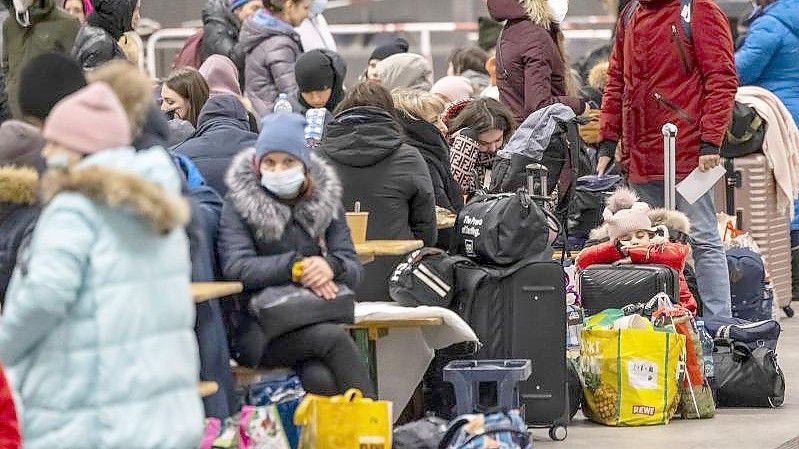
column 9, row 429
column 660, row 74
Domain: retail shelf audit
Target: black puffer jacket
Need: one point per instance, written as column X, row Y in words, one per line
column 221, row 34
column 260, row 238
column 223, row 130
column 96, row 43
column 388, row 177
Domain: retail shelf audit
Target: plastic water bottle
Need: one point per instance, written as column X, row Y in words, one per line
column 707, row 350
column 283, row 104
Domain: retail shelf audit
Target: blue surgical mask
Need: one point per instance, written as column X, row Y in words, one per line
column 284, row 184
column 57, row 161
column 317, row 7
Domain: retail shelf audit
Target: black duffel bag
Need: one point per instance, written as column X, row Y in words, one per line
column 753, row 334
column 746, row 132
column 747, row 377
column 502, row 229
column 425, row 278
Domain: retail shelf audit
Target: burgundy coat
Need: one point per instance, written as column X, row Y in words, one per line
column 657, row 75
column 530, row 71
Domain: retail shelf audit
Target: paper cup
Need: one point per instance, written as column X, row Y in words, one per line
column 357, row 222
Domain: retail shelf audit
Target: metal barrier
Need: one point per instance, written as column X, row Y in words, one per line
column 425, row 30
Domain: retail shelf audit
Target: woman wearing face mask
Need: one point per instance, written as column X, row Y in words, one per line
column 98, row 316
column 283, row 208
column 183, row 95
column 532, row 70
column 272, row 48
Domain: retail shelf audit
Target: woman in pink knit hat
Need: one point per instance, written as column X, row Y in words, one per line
column 98, row 316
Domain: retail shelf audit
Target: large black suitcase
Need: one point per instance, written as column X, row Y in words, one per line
column 615, row 286
column 519, row 312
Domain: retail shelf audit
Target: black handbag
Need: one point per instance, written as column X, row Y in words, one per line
column 290, row 307
column 746, row 132
column 747, row 377
column 425, row 278
column 502, row 229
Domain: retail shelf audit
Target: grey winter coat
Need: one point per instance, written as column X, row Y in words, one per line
column 272, row 48
column 260, row 238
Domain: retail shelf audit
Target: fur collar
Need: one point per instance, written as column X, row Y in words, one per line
column 18, row 185
column 121, row 190
column 671, row 219
column 538, row 12
column 267, row 216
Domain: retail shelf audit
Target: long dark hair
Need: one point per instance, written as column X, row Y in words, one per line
column 189, row 84
column 484, row 114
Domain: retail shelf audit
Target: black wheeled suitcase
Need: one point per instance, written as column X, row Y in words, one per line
column 518, row 313
column 614, row 287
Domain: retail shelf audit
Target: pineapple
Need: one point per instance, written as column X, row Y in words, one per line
column 605, row 397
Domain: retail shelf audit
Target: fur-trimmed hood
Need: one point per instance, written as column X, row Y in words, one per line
column 18, row 185
column 144, row 183
column 537, row 11
column 267, row 216
column 671, row 219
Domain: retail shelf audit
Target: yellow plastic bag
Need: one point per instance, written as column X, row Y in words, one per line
column 631, row 376
column 344, row 422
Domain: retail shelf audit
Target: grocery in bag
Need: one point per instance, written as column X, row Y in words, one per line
column 630, row 370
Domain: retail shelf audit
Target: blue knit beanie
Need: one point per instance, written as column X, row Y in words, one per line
column 283, row 132
column 236, row 4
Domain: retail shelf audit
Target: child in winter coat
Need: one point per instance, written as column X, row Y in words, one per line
column 633, row 240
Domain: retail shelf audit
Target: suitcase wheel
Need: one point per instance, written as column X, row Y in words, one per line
column 558, row 433
column 788, row 311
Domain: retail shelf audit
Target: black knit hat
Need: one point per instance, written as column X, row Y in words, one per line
column 45, row 80
column 382, row 52
column 314, row 71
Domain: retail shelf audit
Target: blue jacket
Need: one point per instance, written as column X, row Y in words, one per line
column 97, row 332
column 223, row 130
column 769, row 57
column 260, row 238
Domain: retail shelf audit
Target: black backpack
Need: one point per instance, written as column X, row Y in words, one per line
column 425, row 278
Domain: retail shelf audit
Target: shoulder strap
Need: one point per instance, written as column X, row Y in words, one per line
column 686, row 16
column 630, row 11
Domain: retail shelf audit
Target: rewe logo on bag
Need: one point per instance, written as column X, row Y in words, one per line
column 372, row 442
column 643, row 410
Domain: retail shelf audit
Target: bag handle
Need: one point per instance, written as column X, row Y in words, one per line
column 451, row 431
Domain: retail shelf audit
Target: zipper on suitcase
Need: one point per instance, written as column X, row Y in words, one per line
column 675, row 36
column 678, row 110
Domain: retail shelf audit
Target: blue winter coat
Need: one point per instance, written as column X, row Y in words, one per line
column 223, row 130
column 769, row 57
column 97, row 332
column 260, row 238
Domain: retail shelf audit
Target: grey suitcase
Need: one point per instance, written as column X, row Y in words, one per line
column 749, row 192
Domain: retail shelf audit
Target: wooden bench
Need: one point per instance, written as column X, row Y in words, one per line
column 388, row 247
column 207, row 388
column 204, row 291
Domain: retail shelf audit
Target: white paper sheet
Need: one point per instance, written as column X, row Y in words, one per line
column 697, row 183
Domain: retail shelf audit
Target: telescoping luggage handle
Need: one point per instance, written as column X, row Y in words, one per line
column 669, row 166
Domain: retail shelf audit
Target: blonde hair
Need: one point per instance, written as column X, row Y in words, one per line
column 598, row 76
column 133, row 88
column 418, row 104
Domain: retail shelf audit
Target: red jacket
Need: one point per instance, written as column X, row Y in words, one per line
column 671, row 254
column 9, row 428
column 530, row 70
column 657, row 75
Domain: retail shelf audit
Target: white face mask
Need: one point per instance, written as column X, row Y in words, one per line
column 317, row 7
column 558, row 9
column 284, row 184
column 57, row 161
